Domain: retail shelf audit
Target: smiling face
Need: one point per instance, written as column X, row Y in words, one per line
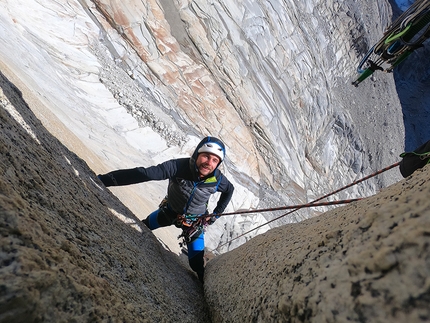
column 206, row 163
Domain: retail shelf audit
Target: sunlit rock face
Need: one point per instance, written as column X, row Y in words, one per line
column 70, row 251
column 140, row 82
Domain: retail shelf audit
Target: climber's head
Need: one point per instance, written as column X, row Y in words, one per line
column 209, row 154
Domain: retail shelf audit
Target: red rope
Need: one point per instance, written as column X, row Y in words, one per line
column 311, row 204
column 300, row 206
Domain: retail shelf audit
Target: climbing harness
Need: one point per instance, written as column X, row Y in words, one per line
column 311, row 204
column 406, row 34
column 192, row 226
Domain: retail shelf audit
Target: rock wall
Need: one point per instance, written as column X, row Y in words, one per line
column 365, row 262
column 69, row 250
column 280, row 98
column 279, row 73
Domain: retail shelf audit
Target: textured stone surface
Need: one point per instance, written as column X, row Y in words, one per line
column 69, row 250
column 125, row 84
column 365, row 262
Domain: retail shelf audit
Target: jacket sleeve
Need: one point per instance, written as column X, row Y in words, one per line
column 226, row 188
column 136, row 175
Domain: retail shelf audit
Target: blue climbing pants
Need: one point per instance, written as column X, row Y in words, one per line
column 164, row 217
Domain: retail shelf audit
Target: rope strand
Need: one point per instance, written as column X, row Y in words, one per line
column 288, row 207
column 311, row 204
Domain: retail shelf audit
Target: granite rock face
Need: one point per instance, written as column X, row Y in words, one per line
column 69, row 250
column 365, row 262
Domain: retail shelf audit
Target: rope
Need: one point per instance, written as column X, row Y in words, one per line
column 311, row 204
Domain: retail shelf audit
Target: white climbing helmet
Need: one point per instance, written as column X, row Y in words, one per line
column 212, row 148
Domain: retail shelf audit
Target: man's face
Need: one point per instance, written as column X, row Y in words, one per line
column 206, row 163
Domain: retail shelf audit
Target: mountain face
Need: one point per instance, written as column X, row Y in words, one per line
column 141, row 82
column 71, row 251
column 92, row 86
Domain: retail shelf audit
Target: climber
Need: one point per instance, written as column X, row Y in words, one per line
column 191, row 183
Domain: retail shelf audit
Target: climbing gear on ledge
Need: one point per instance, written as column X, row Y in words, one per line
column 406, row 34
